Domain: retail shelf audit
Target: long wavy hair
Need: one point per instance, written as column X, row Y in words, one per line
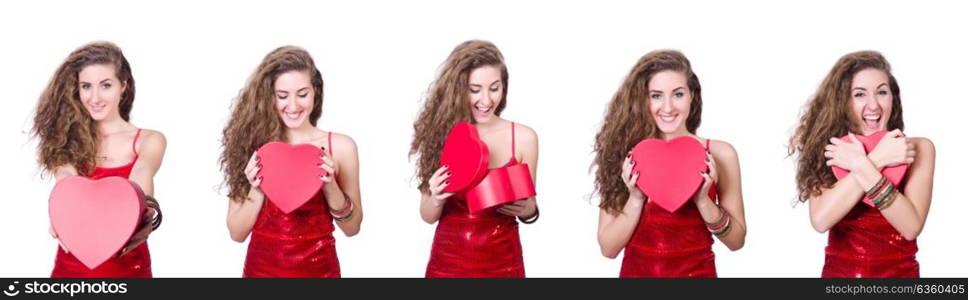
column 254, row 119
column 828, row 114
column 629, row 121
column 446, row 103
column 68, row 135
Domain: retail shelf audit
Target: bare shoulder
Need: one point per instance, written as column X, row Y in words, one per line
column 152, row 141
column 722, row 150
column 525, row 134
column 343, row 143
column 923, row 144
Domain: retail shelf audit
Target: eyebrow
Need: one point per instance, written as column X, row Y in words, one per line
column 299, row 90
column 492, row 83
column 675, row 89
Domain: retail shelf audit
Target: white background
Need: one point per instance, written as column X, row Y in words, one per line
column 758, row 62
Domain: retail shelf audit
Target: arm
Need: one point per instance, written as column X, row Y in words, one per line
column 615, row 230
column 151, row 152
column 527, row 139
column 909, row 211
column 243, row 213
column 432, row 199
column 723, row 164
column 347, row 186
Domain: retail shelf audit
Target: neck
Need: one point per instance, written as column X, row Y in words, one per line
column 111, row 125
column 676, row 134
column 492, row 123
column 301, row 134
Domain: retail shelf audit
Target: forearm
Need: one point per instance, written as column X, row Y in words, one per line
column 834, row 203
column 242, row 217
column 430, row 209
column 615, row 233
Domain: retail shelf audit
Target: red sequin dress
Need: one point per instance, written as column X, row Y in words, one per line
column 486, row 244
column 666, row 244
column 134, row 264
column 864, row 244
column 297, row 244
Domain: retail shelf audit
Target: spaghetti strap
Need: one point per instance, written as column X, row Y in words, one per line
column 330, row 144
column 135, row 142
column 707, row 144
column 512, row 140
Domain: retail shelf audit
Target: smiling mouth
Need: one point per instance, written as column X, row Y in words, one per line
column 483, row 109
column 667, row 118
column 292, row 115
column 872, row 121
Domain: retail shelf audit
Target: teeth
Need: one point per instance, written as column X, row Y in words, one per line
column 292, row 115
column 872, row 118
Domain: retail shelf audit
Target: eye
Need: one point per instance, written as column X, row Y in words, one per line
column 304, row 95
column 858, row 94
column 655, row 96
column 105, row 85
column 475, row 91
column 882, row 93
column 281, row 96
column 680, row 94
column 85, row 86
column 496, row 88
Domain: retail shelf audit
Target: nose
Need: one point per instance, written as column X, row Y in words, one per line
column 872, row 105
column 666, row 105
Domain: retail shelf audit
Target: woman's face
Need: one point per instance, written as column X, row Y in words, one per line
column 669, row 101
column 294, row 98
column 871, row 100
column 485, row 93
column 100, row 91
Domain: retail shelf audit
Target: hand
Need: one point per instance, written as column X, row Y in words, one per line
column 437, row 183
column 141, row 235
column 522, row 208
column 847, row 155
column 634, row 193
column 252, row 175
column 54, row 235
column 894, row 149
column 331, row 189
column 709, row 178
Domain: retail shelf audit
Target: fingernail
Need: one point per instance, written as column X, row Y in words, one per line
column 448, row 173
column 447, row 182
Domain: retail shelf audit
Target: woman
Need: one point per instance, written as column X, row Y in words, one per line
column 661, row 98
column 83, row 124
column 472, row 87
column 860, row 97
column 282, row 102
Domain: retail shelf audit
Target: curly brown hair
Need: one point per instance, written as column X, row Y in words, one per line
column 828, row 114
column 68, row 135
column 628, row 121
column 254, row 120
column 446, row 103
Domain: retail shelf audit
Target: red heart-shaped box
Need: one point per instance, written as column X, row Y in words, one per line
column 290, row 173
column 894, row 174
column 669, row 171
column 95, row 218
column 466, row 156
column 501, row 185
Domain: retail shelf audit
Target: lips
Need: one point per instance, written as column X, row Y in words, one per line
column 667, row 118
column 292, row 115
column 872, row 121
column 482, row 109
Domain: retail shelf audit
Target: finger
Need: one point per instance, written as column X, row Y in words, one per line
column 328, row 168
column 257, row 182
column 896, row 132
column 440, row 170
column 830, row 162
column 853, row 138
column 828, row 154
column 830, row 147
column 444, row 196
column 836, row 141
column 909, row 160
column 62, row 246
column 326, row 179
column 328, row 161
column 633, row 180
column 911, row 153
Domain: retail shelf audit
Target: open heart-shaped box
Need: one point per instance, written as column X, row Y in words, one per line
column 669, row 171
column 894, row 174
column 95, row 218
column 290, row 173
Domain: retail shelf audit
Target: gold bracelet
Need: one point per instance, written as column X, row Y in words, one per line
column 887, row 202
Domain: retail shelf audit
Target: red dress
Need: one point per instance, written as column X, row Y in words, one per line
column 666, row 244
column 485, row 244
column 864, row 244
column 297, row 244
column 134, row 264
